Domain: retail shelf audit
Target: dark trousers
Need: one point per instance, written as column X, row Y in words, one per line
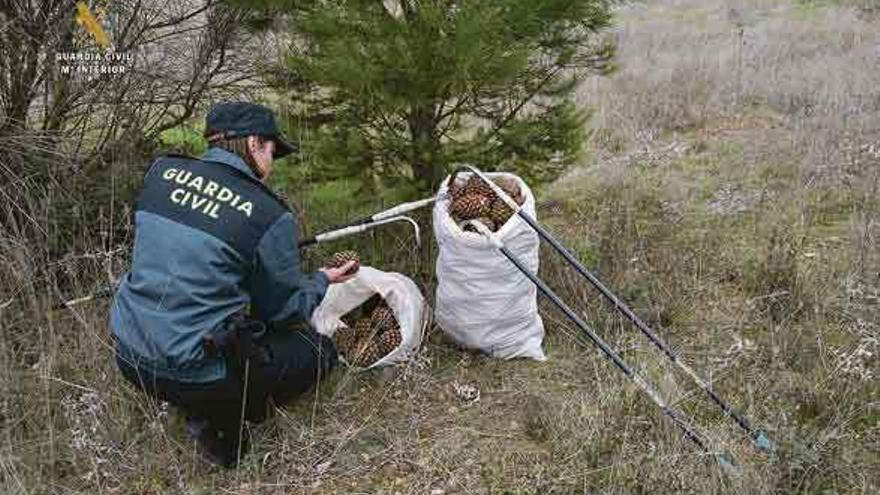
column 283, row 364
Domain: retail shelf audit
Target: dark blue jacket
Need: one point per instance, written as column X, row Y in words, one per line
column 210, row 239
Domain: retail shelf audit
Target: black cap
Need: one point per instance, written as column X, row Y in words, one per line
column 239, row 119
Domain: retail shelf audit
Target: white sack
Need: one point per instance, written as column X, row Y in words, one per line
column 401, row 294
column 483, row 301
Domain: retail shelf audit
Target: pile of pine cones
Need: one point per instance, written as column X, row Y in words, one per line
column 475, row 200
column 372, row 332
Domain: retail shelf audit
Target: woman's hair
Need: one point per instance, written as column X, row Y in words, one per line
column 237, row 145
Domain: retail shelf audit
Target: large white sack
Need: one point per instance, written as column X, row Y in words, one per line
column 401, row 294
column 483, row 301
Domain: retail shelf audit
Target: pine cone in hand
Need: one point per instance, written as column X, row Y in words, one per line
column 341, row 258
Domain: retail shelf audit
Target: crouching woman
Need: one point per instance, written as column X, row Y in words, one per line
column 210, row 315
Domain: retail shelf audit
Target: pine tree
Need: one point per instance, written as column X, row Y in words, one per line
column 404, row 89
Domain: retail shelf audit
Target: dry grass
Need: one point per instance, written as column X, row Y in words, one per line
column 733, row 201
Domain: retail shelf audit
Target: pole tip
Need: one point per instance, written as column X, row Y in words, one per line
column 763, row 443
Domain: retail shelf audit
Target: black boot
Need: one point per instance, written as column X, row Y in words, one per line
column 219, row 446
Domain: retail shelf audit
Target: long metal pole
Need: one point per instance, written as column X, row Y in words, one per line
column 102, row 292
column 357, row 228
column 390, row 215
column 395, row 211
column 760, row 439
column 676, row 416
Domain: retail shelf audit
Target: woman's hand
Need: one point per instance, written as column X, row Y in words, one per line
column 338, row 275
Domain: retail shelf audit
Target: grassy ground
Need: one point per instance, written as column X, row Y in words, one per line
column 732, row 198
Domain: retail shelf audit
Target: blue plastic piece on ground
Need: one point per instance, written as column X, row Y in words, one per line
column 763, row 442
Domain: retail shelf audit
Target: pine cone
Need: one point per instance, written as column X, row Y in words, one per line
column 470, row 206
column 345, row 338
column 390, row 340
column 383, row 317
column 366, row 353
column 363, row 329
column 349, row 319
column 509, row 185
column 456, row 190
column 500, row 212
column 341, row 258
column 476, row 185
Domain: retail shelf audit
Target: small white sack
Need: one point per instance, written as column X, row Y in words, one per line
column 401, row 294
column 483, row 301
